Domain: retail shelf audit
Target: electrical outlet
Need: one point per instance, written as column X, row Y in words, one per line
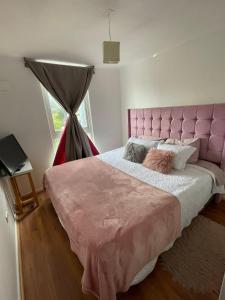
column 7, row 216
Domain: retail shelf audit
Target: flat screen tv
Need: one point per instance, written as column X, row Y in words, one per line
column 12, row 156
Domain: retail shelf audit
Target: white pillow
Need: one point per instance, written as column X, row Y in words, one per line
column 148, row 144
column 182, row 154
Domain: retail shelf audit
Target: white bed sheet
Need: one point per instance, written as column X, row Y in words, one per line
column 192, row 187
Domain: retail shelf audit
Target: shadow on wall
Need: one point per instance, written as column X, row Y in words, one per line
column 192, row 73
column 23, row 114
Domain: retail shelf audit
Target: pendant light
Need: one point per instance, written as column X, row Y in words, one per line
column 111, row 50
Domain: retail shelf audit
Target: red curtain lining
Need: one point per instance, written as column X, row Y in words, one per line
column 60, row 156
column 94, row 150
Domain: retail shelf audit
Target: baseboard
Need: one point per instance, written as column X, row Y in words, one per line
column 40, row 190
column 20, row 286
column 222, row 291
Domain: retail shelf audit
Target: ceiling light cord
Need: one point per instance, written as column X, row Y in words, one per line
column 111, row 49
column 109, row 18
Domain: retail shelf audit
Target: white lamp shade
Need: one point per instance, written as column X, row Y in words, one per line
column 111, row 52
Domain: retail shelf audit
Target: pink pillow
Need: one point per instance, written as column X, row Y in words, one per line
column 194, row 142
column 159, row 160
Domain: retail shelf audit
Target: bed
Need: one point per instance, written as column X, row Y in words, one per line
column 180, row 195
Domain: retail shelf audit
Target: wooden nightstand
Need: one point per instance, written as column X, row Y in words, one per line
column 24, row 204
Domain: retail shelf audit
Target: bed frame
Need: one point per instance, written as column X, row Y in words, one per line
column 206, row 122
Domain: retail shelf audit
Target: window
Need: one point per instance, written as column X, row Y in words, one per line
column 57, row 116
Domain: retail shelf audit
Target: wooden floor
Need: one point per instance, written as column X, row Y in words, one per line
column 50, row 271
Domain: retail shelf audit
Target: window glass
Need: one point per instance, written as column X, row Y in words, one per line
column 57, row 116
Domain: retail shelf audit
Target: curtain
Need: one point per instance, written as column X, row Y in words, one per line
column 60, row 157
column 68, row 85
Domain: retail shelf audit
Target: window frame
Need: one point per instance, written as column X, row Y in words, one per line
column 87, row 107
column 56, row 135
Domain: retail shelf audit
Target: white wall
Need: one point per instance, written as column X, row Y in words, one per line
column 193, row 73
column 106, row 109
column 22, row 112
column 8, row 252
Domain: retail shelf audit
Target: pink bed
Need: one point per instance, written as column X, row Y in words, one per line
column 88, row 193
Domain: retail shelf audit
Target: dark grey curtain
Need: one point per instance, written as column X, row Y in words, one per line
column 68, row 85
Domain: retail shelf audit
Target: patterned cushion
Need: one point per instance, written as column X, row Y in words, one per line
column 159, row 160
column 134, row 152
column 194, row 142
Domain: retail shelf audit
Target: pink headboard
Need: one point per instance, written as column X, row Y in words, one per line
column 204, row 121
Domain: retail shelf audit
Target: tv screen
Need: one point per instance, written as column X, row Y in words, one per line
column 12, row 155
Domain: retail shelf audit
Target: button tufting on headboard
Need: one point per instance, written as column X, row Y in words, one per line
column 204, row 121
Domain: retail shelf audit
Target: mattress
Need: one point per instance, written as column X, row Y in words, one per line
column 192, row 187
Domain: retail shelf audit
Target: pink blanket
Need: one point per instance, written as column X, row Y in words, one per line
column 116, row 223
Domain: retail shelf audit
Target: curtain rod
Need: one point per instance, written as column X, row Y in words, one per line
column 54, row 62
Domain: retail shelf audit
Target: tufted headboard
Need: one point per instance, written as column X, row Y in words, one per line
column 204, row 121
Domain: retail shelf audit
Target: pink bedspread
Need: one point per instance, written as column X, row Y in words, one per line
column 116, row 223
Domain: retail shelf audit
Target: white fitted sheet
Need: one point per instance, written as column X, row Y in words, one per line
column 192, row 187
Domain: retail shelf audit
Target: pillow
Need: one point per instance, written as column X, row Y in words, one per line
column 148, row 144
column 194, row 142
column 152, row 138
column 134, row 152
column 159, row 160
column 182, row 154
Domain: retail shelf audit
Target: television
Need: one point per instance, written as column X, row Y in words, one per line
column 12, row 156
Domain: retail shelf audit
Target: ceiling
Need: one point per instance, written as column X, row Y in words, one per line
column 73, row 30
